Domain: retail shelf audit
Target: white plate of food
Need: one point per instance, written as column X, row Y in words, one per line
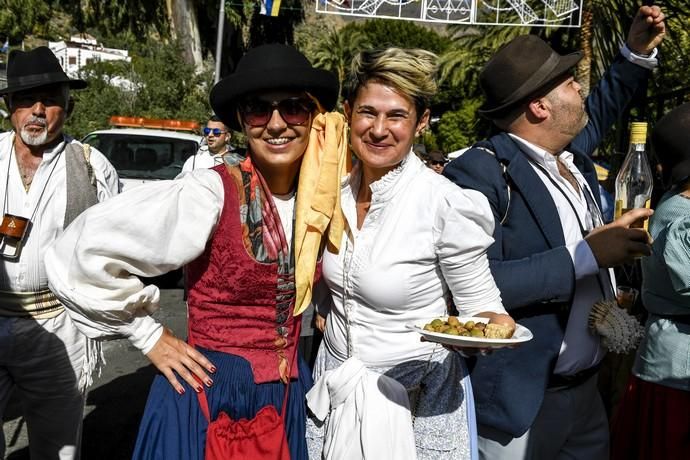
column 470, row 332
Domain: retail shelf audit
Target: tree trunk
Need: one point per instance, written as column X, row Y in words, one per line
column 184, row 27
column 584, row 67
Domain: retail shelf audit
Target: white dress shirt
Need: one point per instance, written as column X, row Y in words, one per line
column 203, row 159
column 47, row 213
column 285, row 205
column 422, row 240
column 580, row 348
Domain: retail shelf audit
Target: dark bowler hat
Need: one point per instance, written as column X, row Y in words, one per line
column 35, row 68
column 267, row 68
column 671, row 142
column 519, row 69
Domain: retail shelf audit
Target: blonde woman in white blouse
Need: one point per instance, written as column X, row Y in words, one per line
column 414, row 242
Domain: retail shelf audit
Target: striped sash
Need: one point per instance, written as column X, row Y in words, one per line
column 39, row 305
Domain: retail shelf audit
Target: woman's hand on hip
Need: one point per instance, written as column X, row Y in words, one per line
column 172, row 355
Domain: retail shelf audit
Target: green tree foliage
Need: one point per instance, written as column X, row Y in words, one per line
column 469, row 50
column 113, row 17
column 167, row 87
column 336, row 49
column 671, row 86
column 309, row 35
column 19, row 18
column 383, row 33
column 461, row 128
column 157, row 84
column 100, row 100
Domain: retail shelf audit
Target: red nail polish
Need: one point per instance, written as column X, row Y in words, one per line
column 209, row 382
column 180, row 391
column 198, row 389
column 213, row 368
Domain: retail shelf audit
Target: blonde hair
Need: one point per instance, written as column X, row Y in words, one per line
column 411, row 72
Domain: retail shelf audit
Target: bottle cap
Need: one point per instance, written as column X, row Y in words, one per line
column 638, row 132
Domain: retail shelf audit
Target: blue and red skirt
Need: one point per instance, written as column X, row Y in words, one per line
column 173, row 426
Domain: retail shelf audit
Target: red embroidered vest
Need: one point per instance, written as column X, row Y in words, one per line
column 232, row 297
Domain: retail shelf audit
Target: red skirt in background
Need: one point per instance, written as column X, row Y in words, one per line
column 652, row 422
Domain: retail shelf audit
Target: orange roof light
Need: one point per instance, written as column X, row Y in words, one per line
column 154, row 123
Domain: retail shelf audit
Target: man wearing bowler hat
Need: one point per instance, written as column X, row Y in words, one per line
column 552, row 251
column 46, row 180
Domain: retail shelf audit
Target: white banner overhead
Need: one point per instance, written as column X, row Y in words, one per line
column 544, row 13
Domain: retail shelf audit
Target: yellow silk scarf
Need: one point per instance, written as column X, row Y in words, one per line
column 324, row 164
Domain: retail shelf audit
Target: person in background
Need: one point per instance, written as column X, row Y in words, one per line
column 401, row 262
column 217, row 143
column 436, row 160
column 552, row 252
column 653, row 420
column 248, row 231
column 48, row 180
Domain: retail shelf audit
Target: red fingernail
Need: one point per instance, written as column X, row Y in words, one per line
column 209, row 382
column 180, row 391
column 198, row 389
column 213, row 368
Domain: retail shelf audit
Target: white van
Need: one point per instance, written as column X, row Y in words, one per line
column 146, row 152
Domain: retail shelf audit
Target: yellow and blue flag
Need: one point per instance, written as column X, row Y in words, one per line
column 270, row 7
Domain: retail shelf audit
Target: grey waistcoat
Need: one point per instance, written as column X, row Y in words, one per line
column 80, row 181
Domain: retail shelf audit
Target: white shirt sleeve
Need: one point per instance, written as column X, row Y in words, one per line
column 648, row 62
column 188, row 164
column 146, row 231
column 462, row 231
column 107, row 180
column 584, row 262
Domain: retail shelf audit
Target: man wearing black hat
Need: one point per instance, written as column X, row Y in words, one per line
column 47, row 180
column 552, row 250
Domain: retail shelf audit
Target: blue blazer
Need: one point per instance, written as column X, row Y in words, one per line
column 529, row 260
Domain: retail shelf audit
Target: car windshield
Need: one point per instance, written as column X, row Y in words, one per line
column 143, row 156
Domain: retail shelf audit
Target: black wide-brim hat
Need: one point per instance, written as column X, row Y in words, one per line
column 269, row 68
column 671, row 142
column 519, row 69
column 35, row 68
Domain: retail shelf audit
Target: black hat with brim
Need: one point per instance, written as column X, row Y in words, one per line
column 34, row 69
column 671, row 142
column 521, row 68
column 270, row 68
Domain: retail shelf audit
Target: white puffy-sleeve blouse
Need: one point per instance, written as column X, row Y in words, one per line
column 146, row 231
column 423, row 241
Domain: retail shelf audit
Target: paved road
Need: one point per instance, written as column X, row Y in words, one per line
column 115, row 402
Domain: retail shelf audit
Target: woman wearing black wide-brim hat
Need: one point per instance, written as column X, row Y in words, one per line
column 249, row 232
